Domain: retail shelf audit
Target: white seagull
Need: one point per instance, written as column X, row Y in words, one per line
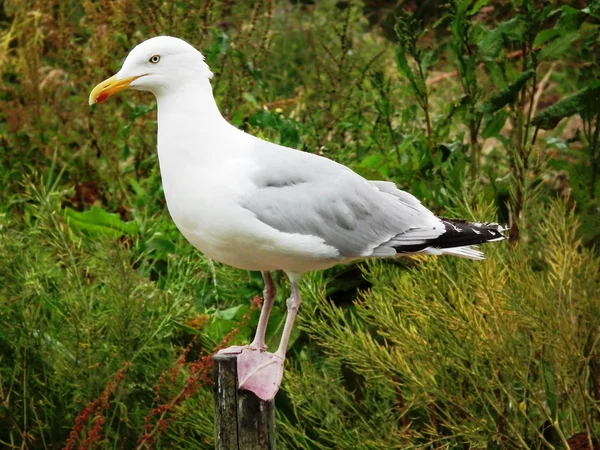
column 256, row 205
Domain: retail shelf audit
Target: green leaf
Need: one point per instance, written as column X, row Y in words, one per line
column 461, row 8
column 137, row 188
column 545, row 35
column 403, row 66
column 514, row 29
column 161, row 244
column 223, row 321
column 571, row 19
column 402, row 62
column 491, row 43
column 430, row 58
column 96, row 221
column 218, row 329
column 373, row 161
column 494, row 124
column 250, row 99
column 573, row 104
column 558, row 47
column 496, row 74
column 506, row 96
column 477, row 6
column 235, row 312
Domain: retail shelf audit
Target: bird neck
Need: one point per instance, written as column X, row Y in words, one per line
column 189, row 119
column 194, row 100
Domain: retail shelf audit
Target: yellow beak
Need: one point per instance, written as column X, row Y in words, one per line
column 109, row 87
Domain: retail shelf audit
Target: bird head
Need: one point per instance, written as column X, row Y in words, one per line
column 155, row 65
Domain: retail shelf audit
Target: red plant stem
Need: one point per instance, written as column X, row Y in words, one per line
column 403, row 410
column 199, row 377
column 99, row 405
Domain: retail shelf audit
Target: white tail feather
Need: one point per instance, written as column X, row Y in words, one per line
column 462, row 252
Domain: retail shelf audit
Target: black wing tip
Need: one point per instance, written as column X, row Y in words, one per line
column 485, row 231
column 460, row 233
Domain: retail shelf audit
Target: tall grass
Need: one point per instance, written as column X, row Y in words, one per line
column 484, row 110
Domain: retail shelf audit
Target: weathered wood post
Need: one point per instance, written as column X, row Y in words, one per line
column 242, row 420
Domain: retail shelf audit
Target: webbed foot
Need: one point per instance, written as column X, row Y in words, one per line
column 260, row 372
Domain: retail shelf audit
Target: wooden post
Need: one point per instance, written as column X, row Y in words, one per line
column 242, row 420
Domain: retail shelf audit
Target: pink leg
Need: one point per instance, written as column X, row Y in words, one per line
column 293, row 304
column 261, row 372
column 269, row 298
column 259, row 339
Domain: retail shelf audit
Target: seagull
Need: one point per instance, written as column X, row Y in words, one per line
column 260, row 206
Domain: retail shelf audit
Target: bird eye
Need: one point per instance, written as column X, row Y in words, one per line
column 154, row 59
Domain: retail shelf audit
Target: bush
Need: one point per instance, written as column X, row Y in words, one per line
column 482, row 109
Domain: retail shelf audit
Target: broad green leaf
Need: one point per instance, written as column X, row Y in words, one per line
column 236, row 312
column 571, row 19
column 496, row 74
column 224, row 321
column 161, row 244
column 494, row 124
column 514, row 29
column 218, row 329
column 566, row 107
column 558, row 47
column 96, row 221
column 545, row 35
column 491, row 43
column 506, row 96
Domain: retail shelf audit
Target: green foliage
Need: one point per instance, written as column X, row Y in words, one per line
column 577, row 103
column 452, row 353
column 481, row 109
column 507, row 96
column 72, row 313
column 98, row 222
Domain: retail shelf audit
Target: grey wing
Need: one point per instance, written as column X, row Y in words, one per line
column 408, row 199
column 321, row 198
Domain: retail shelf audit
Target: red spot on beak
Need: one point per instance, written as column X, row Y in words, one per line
column 103, row 96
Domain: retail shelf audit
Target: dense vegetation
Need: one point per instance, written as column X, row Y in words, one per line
column 487, row 110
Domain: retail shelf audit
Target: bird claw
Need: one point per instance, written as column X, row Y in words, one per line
column 259, row 372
